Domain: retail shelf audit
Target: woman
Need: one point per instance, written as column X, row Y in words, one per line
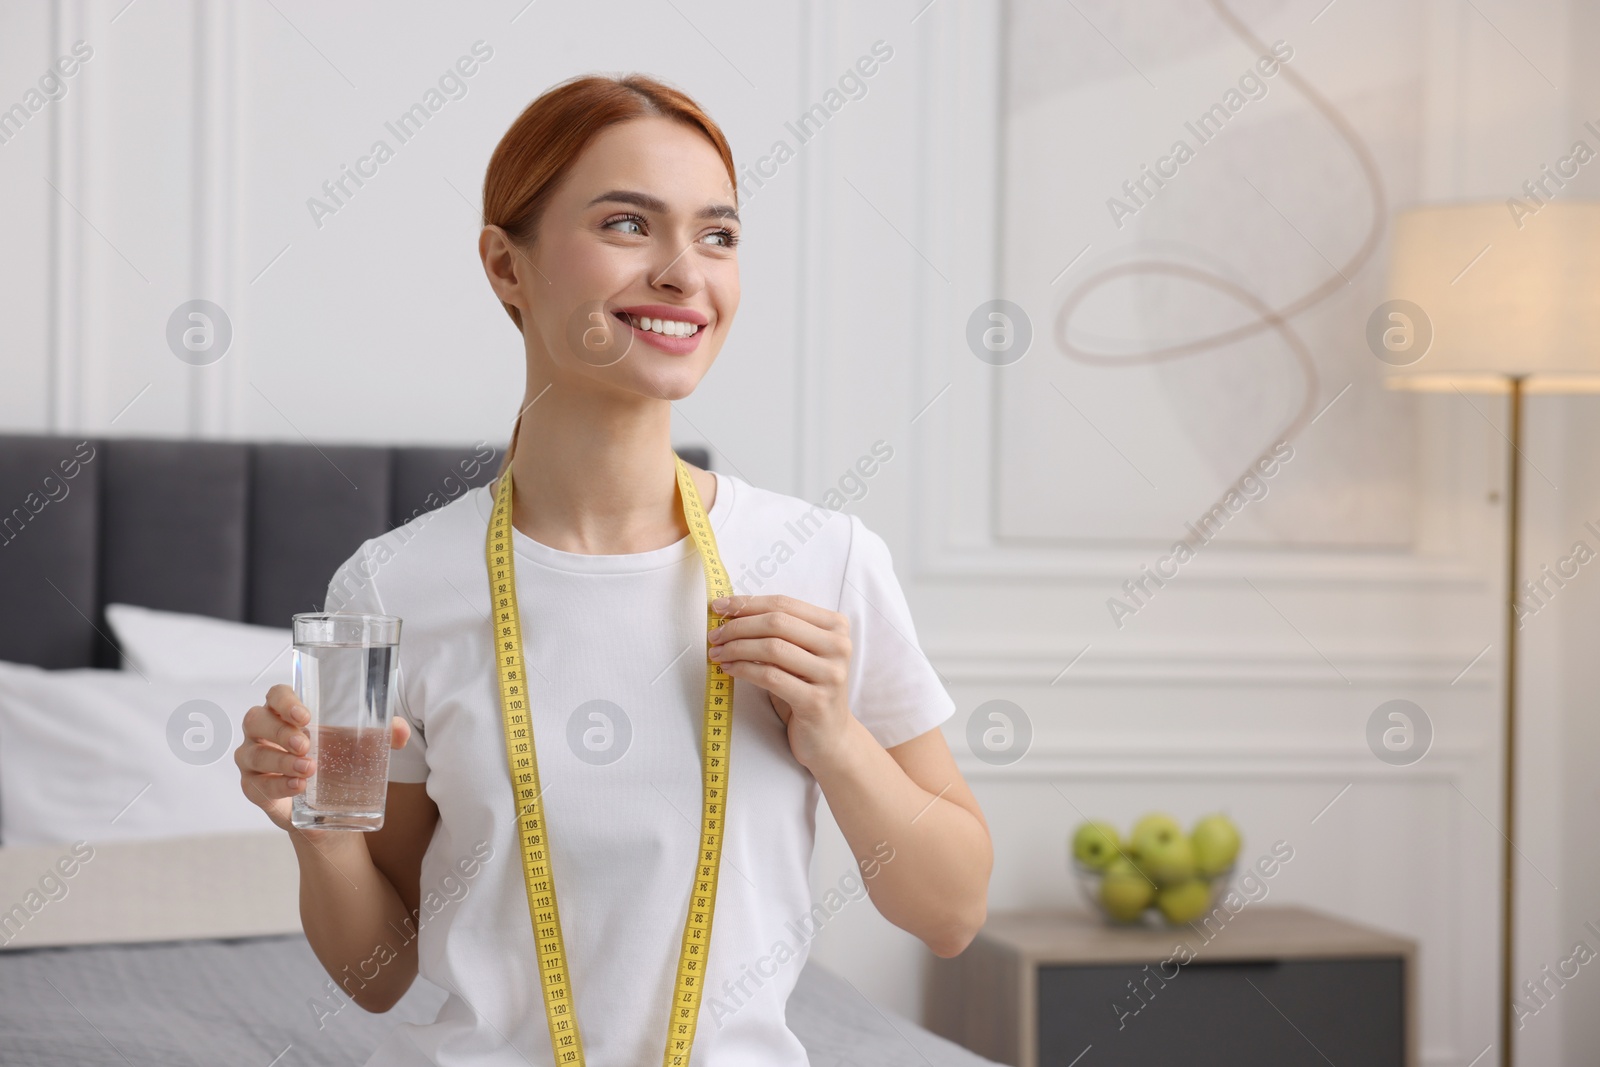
column 610, row 240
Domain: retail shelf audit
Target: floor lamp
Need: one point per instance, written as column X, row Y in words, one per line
column 1486, row 301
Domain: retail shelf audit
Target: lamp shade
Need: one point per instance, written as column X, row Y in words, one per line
column 1480, row 293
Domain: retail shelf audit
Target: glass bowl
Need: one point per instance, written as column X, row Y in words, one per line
column 1170, row 904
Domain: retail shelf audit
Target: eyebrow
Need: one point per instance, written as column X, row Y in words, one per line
column 659, row 206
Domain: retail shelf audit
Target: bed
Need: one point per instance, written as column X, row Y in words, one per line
column 186, row 949
column 261, row 1001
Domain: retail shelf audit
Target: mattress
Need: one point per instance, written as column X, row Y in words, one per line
column 263, row 1001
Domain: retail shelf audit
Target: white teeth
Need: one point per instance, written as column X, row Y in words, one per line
column 665, row 327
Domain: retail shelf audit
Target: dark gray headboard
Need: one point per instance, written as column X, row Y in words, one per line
column 234, row 530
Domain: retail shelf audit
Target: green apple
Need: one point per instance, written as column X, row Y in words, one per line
column 1096, row 844
column 1124, row 892
column 1146, row 826
column 1162, row 850
column 1152, row 820
column 1216, row 845
column 1184, row 901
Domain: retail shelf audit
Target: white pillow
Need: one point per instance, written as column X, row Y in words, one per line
column 170, row 645
column 99, row 755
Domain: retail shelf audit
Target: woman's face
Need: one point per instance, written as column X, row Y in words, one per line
column 632, row 280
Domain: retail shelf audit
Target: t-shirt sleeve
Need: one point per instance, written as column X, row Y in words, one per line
column 354, row 587
column 894, row 690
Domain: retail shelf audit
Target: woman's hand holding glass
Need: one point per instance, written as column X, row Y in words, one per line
column 273, row 757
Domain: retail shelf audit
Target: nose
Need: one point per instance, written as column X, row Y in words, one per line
column 678, row 272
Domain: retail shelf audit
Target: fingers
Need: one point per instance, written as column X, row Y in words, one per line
column 262, row 757
column 267, row 773
column 819, row 641
column 775, row 680
column 272, row 758
column 272, row 763
column 783, row 654
column 401, row 733
column 283, row 703
column 263, row 789
column 261, row 724
column 743, row 605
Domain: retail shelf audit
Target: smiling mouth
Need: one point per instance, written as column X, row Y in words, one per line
column 664, row 327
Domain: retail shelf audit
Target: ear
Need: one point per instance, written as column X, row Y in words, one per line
column 506, row 266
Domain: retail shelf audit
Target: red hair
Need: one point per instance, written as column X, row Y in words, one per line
column 546, row 139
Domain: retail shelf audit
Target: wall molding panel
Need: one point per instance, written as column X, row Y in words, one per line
column 967, row 662
column 214, row 390
column 67, row 168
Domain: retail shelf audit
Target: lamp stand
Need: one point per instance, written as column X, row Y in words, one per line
column 1508, row 913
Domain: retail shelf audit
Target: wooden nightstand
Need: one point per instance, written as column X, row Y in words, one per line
column 1278, row 986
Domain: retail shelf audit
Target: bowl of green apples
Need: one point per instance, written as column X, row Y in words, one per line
column 1157, row 874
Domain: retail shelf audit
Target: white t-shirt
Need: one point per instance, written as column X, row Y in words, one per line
column 615, row 652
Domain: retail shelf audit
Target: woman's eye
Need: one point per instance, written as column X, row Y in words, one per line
column 725, row 238
column 626, row 220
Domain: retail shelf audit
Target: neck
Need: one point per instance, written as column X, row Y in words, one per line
column 594, row 472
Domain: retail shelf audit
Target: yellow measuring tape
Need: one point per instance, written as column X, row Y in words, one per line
column 523, row 763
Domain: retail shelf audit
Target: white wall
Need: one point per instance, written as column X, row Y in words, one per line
column 194, row 137
column 178, row 165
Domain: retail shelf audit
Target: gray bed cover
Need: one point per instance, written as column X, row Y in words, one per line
column 245, row 1001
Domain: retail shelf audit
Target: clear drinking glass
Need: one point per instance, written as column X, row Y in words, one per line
column 344, row 673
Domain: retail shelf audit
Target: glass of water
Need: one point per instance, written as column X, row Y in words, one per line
column 344, row 673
